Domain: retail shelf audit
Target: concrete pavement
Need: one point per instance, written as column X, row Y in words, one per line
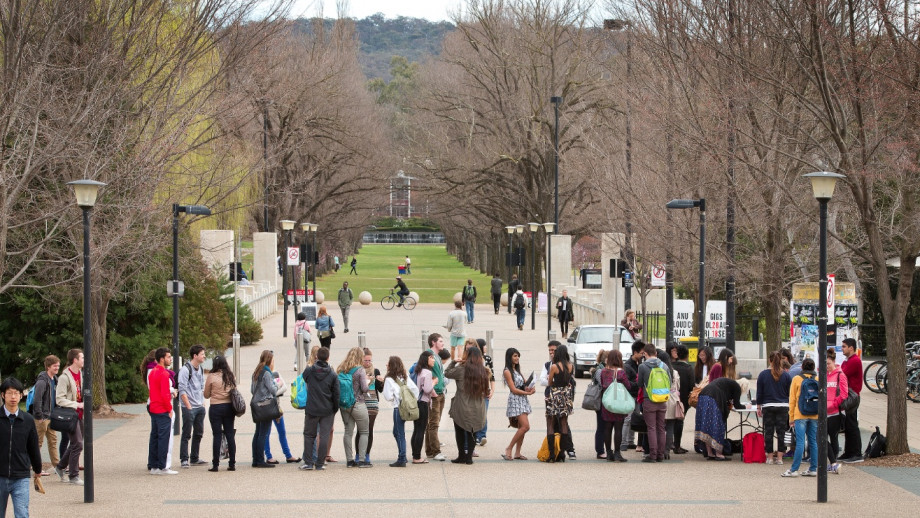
column 686, row 485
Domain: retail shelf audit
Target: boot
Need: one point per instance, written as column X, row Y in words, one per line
column 618, row 457
column 611, row 456
column 551, row 444
column 566, row 444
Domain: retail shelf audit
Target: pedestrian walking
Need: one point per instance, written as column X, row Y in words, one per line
column 324, row 327
column 468, row 297
column 496, row 290
column 354, row 266
column 346, row 297
column 43, row 403
column 564, row 313
column 20, row 454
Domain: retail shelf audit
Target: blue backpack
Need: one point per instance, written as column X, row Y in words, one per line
column 346, row 389
column 809, row 403
column 30, row 399
column 299, row 393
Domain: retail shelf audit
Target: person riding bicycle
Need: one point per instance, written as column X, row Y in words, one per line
column 403, row 290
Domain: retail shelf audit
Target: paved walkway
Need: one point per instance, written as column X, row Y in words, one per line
column 686, row 486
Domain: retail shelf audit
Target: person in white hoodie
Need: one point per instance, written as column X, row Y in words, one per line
column 396, row 375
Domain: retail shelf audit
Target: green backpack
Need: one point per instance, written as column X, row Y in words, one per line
column 408, row 405
column 658, row 387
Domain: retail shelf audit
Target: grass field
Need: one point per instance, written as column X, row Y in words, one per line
column 436, row 275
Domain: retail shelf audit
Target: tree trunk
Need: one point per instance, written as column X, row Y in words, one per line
column 98, row 330
column 894, row 310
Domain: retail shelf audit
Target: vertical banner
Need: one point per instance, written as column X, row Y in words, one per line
column 715, row 319
column 682, row 318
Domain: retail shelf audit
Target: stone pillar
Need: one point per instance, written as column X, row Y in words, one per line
column 265, row 258
column 561, row 271
column 611, row 244
column 216, row 248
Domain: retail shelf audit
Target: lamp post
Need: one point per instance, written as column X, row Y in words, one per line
column 533, row 275
column 86, row 192
column 305, row 227
column 178, row 288
column 548, row 227
column 519, row 230
column 264, row 103
column 287, row 226
column 701, row 310
column 313, row 229
column 822, row 186
column 510, row 231
column 556, row 100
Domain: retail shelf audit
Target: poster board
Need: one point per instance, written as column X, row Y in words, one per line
column 803, row 310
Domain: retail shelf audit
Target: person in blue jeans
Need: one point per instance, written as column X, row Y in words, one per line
column 396, row 376
column 469, row 299
column 519, row 302
column 20, row 453
column 481, row 434
column 806, row 426
column 282, row 438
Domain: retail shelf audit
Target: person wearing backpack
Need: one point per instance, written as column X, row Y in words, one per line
column 513, row 286
column 424, row 380
column 42, row 403
column 803, row 413
column 655, row 384
column 352, row 390
column 468, row 407
column 396, row 380
column 191, row 399
column 469, row 299
column 712, row 411
column 613, row 423
column 319, row 414
column 519, row 302
column 371, row 400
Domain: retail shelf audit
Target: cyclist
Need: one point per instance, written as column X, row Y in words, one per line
column 403, row 290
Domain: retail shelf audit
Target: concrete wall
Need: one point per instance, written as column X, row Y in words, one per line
column 217, row 249
column 265, row 258
column 561, row 248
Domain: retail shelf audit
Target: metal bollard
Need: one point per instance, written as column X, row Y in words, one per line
column 297, row 362
column 490, row 335
column 362, row 339
column 236, row 355
column 551, row 335
column 425, row 340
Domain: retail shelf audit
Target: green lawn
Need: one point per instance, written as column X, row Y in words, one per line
column 436, row 275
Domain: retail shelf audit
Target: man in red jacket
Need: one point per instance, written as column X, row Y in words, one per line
column 160, row 410
column 852, row 367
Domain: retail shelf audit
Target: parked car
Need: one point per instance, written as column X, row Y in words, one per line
column 586, row 341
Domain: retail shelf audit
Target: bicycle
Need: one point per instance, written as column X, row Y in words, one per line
column 389, row 301
column 875, row 377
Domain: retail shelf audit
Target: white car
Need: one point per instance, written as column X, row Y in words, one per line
column 586, row 341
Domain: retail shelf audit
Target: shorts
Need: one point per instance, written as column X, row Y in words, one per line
column 457, row 341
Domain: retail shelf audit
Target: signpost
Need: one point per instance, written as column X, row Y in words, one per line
column 293, row 256
column 658, row 276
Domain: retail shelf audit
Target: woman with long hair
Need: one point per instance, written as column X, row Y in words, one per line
column 773, row 405
column 396, row 377
column 613, row 423
column 221, row 414
column 519, row 410
column 424, row 380
column 263, row 387
column 559, row 402
column 468, row 407
column 324, row 325
column 726, row 366
column 599, row 363
column 371, row 400
column 357, row 414
column 632, row 324
column 704, row 362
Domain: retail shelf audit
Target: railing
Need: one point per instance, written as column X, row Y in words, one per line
column 404, row 237
column 260, row 297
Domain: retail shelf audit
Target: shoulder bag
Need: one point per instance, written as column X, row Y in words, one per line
column 265, row 410
column 593, row 394
column 239, row 404
column 851, row 402
column 63, row 419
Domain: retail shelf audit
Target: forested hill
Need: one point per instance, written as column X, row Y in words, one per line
column 382, row 38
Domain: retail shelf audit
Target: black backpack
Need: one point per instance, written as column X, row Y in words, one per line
column 519, row 302
column 877, row 444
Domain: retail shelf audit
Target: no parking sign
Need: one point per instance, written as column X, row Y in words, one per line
column 293, row 256
column 658, row 275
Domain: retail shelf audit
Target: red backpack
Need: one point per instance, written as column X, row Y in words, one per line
column 752, row 448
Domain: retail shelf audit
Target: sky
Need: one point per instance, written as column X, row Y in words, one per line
column 433, row 10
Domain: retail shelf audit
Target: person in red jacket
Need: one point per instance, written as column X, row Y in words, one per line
column 853, row 369
column 161, row 412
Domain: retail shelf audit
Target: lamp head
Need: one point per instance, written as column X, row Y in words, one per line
column 313, row 227
column 519, row 229
column 682, row 204
column 509, row 229
column 195, row 210
column 555, row 99
column 86, row 191
column 534, row 227
column 287, row 224
column 549, row 227
column 823, row 183
column 305, row 227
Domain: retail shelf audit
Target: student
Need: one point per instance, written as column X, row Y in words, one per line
column 424, row 380
column 560, row 401
column 455, row 327
column 518, row 408
column 396, row 376
column 837, row 391
column 806, row 426
column 468, row 297
column 725, row 368
column 653, row 413
column 432, row 441
column 544, row 382
column 324, row 325
column 221, row 415
column 773, row 405
column 191, row 397
column 356, row 416
column 69, row 393
column 712, row 413
column 263, row 387
column 852, row 369
column 19, row 450
column 519, row 302
column 685, row 373
column 161, row 414
column 43, row 403
column 704, row 363
column 280, row 428
column 468, row 408
column 613, row 423
column 481, row 434
column 371, row 399
column 319, row 414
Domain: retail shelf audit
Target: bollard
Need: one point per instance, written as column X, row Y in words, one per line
column 298, row 365
column 362, row 339
column 490, row 335
column 236, row 355
column 551, row 335
column 425, row 341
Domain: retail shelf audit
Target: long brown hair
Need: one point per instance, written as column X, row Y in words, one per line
column 265, row 360
column 396, row 369
column 710, row 361
column 614, row 359
column 476, row 376
column 728, row 368
column 776, row 365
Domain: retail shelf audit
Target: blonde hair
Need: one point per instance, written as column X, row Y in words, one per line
column 354, row 358
column 312, row 359
column 466, row 347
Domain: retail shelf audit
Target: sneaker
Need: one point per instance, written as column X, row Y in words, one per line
column 321, row 468
column 154, row 471
column 60, row 473
column 769, row 460
column 185, row 464
column 853, row 460
column 365, row 465
column 778, row 461
column 572, row 455
column 77, row 481
column 199, row 462
column 351, row 464
column 482, row 442
column 809, row 473
column 306, row 467
column 789, row 474
column 168, row 472
column 45, row 473
column 834, row 468
column 440, row 457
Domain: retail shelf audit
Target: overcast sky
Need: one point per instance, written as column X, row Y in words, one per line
column 434, row 10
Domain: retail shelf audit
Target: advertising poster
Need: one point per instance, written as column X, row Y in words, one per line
column 803, row 312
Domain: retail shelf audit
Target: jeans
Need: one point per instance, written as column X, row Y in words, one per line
column 159, row 442
column 520, row 313
column 853, row 445
column 833, row 437
column 282, row 438
column 313, row 426
column 18, row 490
column 485, row 428
column 629, row 437
column 399, row 433
column 599, row 434
column 466, row 444
column 222, row 417
column 345, row 311
column 469, row 310
column 654, row 421
column 775, row 422
column 418, row 431
column 357, row 415
column 191, row 420
column 564, row 326
column 45, row 432
column 258, row 442
column 806, row 429
column 432, row 441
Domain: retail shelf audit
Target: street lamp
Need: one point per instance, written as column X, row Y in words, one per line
column 313, row 229
column 305, row 227
column 533, row 275
column 510, row 230
column 86, row 192
column 548, row 227
column 701, row 310
column 556, row 100
column 177, row 287
column 519, row 230
column 287, row 226
column 822, row 186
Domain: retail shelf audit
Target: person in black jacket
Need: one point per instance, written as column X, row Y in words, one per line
column 512, row 289
column 687, row 377
column 43, row 402
column 319, row 414
column 19, row 451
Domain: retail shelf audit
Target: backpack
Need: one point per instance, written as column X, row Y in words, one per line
column 658, row 387
column 752, row 450
column 877, row 444
column 299, row 393
column 617, row 400
column 468, row 292
column 519, row 302
column 543, row 452
column 408, row 405
column 347, row 389
column 808, row 396
column 29, row 400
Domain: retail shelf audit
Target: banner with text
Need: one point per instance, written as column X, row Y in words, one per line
column 683, row 317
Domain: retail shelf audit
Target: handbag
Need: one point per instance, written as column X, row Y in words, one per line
column 331, row 332
column 239, row 404
column 593, row 395
column 265, row 410
column 679, row 411
column 637, row 421
column 851, row 402
column 63, row 419
column 695, row 393
column 618, row 400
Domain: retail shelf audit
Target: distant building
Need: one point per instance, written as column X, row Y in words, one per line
column 402, row 203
